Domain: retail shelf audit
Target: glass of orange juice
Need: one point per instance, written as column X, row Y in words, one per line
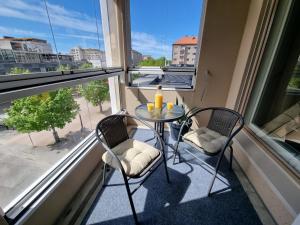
column 170, row 106
column 150, row 107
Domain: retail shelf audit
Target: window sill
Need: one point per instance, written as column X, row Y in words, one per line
column 188, row 89
column 26, row 203
column 269, row 150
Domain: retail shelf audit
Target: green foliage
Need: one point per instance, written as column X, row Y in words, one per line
column 17, row 70
column 46, row 111
column 294, row 82
column 153, row 62
column 295, row 79
column 86, row 66
column 62, row 67
column 135, row 76
column 96, row 92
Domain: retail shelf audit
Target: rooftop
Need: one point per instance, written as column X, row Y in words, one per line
column 186, row 40
column 6, row 38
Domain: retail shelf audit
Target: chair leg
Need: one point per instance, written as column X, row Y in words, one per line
column 166, row 168
column 175, row 152
column 215, row 174
column 104, row 174
column 130, row 199
column 230, row 159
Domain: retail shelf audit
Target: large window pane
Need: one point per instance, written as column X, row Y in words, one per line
column 274, row 108
column 41, row 36
column 37, row 131
column 26, row 44
column 77, row 30
column 164, row 34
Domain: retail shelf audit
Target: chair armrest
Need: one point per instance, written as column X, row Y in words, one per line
column 191, row 111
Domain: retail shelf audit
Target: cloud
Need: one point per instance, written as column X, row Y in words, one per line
column 10, row 31
column 77, row 25
column 148, row 44
column 35, row 11
column 79, row 36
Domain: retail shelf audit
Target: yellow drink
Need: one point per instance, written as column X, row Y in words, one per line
column 170, row 105
column 150, row 107
column 158, row 101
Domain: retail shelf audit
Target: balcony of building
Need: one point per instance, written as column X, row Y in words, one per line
column 241, row 49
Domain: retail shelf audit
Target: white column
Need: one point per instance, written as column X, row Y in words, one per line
column 112, row 54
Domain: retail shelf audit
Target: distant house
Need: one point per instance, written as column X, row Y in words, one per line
column 92, row 55
column 146, row 57
column 184, row 51
column 136, row 56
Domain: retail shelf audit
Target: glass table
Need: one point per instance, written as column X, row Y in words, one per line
column 159, row 117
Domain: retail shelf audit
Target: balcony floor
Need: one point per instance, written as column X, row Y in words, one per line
column 183, row 201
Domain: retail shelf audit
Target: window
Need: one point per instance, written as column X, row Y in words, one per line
column 274, row 109
column 39, row 130
column 177, row 34
column 66, row 35
column 42, row 130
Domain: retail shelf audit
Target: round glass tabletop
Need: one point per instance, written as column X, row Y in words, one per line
column 159, row 116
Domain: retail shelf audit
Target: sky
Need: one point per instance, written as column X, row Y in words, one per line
column 155, row 24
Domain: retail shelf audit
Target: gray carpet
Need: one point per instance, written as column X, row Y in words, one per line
column 183, row 201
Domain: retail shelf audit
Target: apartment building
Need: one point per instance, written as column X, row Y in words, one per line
column 26, row 44
column 33, row 54
column 92, row 55
column 184, row 51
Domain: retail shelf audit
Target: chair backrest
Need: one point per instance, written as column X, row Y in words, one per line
column 223, row 121
column 113, row 130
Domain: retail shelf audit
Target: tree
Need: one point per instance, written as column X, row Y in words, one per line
column 153, row 62
column 86, row 65
column 62, row 67
column 17, row 70
column 46, row 111
column 96, row 92
column 295, row 77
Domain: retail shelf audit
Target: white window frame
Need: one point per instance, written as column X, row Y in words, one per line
column 253, row 103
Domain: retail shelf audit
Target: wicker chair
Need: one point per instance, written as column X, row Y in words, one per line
column 214, row 139
column 134, row 159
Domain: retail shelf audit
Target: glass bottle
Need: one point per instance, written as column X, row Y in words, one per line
column 158, row 102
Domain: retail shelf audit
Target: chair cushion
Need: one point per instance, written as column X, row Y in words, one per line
column 134, row 155
column 209, row 141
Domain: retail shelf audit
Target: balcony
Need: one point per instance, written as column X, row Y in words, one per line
column 184, row 200
column 51, row 166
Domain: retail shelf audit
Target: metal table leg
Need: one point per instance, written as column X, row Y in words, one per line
column 160, row 129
